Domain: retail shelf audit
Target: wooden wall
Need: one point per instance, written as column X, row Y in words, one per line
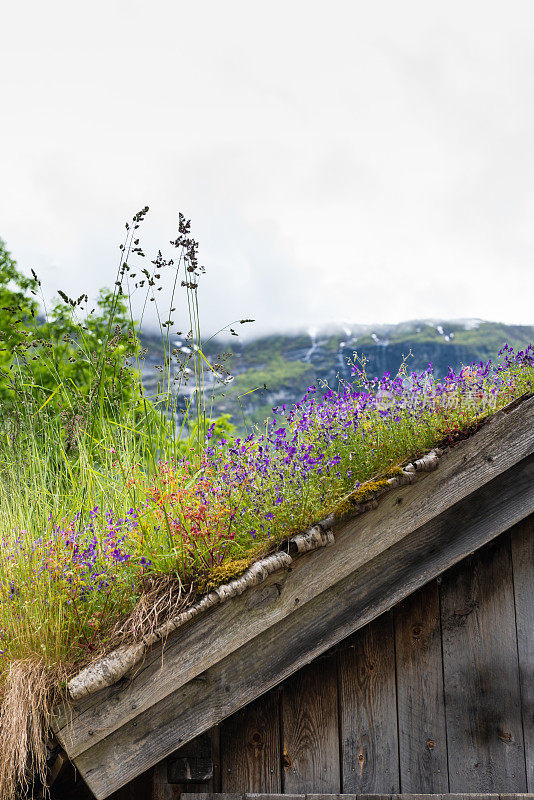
column 435, row 696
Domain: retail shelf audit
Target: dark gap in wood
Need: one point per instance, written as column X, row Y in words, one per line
column 216, row 757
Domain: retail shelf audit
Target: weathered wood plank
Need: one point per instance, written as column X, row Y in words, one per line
column 310, row 729
column 348, row 796
column 476, row 796
column 517, row 796
column 420, row 698
column 278, row 652
column 472, row 463
column 213, row 796
column 482, row 694
column 185, row 656
column 250, row 748
column 522, row 541
column 369, row 710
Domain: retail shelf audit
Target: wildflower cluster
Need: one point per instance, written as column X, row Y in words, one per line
column 278, row 482
column 190, row 516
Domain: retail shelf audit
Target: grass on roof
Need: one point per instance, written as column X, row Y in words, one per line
column 85, row 535
column 104, row 495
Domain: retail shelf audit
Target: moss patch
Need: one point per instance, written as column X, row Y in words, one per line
column 228, row 571
column 367, row 491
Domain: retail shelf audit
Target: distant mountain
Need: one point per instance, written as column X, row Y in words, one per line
column 286, row 364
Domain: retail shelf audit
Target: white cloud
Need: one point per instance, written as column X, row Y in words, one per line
column 362, row 161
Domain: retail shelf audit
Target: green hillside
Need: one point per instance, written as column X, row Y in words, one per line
column 277, row 369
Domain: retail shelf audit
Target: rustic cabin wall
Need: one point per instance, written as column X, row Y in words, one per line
column 435, row 696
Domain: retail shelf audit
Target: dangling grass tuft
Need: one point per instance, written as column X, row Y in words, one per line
column 24, row 720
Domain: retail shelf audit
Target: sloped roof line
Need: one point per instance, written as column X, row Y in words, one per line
column 238, row 650
column 110, row 668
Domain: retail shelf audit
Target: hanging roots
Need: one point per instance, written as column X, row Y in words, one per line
column 162, row 597
column 24, row 716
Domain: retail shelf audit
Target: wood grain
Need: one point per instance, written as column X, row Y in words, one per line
column 482, row 693
column 281, row 650
column 504, row 441
column 310, row 729
column 369, row 710
column 522, row 541
column 420, row 698
column 250, row 748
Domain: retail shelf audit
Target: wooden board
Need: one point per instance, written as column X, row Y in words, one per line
column 368, row 707
column 310, row 729
column 483, row 796
column 499, row 445
column 420, row 698
column 262, row 663
column 522, row 541
column 250, row 748
column 481, row 673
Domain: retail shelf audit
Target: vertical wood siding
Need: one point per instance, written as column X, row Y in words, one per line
column 310, row 729
column 369, row 740
column 420, row 696
column 433, row 697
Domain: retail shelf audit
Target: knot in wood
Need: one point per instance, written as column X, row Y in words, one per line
column 257, row 743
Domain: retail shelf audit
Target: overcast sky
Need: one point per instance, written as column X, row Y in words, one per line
column 360, row 161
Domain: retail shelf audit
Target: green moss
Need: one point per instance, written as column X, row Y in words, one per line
column 367, row 491
column 229, row 570
column 343, row 509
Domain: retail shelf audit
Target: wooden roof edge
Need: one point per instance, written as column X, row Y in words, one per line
column 111, row 667
column 278, row 652
column 96, row 730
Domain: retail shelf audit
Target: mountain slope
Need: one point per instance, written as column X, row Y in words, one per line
column 277, row 369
